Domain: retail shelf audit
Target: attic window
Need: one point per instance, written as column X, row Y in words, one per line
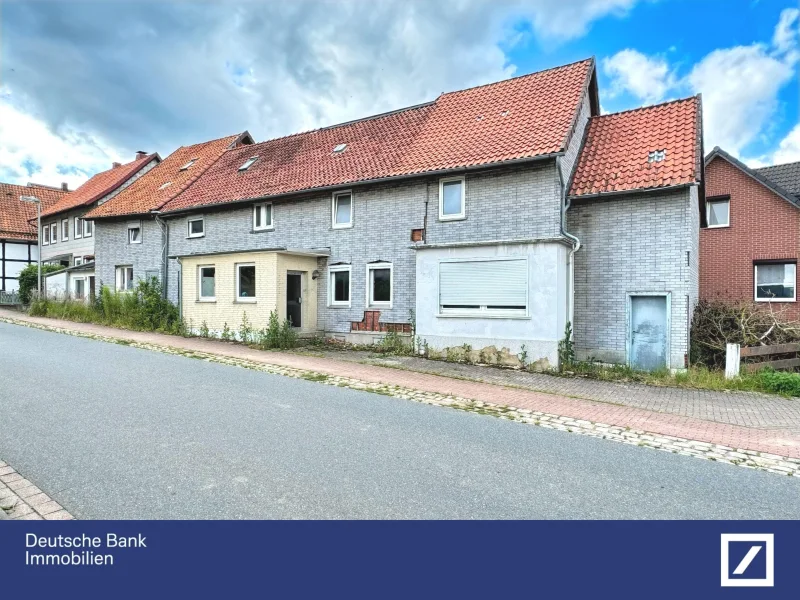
column 656, row 156
column 248, row 163
column 339, row 148
column 165, row 185
column 188, row 164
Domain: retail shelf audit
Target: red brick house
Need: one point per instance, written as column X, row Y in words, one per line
column 750, row 249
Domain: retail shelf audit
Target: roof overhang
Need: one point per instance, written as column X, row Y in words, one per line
column 549, row 240
column 665, row 188
column 312, row 252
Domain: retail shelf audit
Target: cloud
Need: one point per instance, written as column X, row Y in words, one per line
column 152, row 76
column 786, row 32
column 647, row 78
column 788, row 149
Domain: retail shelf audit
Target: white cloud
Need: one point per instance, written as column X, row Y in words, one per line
column 788, row 149
column 647, row 78
column 786, row 32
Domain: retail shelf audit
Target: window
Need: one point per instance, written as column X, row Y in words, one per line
column 165, row 185
column 718, row 212
column 248, row 163
column 78, row 228
column 775, row 282
column 451, row 198
column 342, row 210
column 79, row 292
column 339, row 148
column 196, row 227
column 246, row 282
column 124, row 278
column 262, row 216
column 656, row 156
column 53, row 233
column 64, row 230
column 188, row 164
column 78, row 261
column 379, row 284
column 495, row 287
column 88, row 227
column 135, row 233
column 207, row 283
column 339, row 285
column 45, row 235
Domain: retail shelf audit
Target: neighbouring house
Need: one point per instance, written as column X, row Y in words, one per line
column 68, row 237
column 459, row 220
column 18, row 242
column 129, row 237
column 751, row 246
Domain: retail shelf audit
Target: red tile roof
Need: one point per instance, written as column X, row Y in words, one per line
column 17, row 218
column 614, row 157
column 525, row 117
column 147, row 193
column 100, row 185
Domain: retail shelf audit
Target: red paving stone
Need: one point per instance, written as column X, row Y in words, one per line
column 772, row 440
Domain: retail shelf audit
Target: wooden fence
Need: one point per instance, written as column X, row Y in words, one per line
column 735, row 360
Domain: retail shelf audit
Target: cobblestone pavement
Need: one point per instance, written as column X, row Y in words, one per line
column 20, row 499
column 779, row 446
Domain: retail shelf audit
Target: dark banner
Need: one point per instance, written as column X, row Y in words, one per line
column 532, row 559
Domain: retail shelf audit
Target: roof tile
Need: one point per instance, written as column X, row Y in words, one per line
column 16, row 217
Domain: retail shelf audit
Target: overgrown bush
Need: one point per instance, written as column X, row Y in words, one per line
column 27, row 279
column 393, row 343
column 779, row 382
column 566, row 349
column 277, row 334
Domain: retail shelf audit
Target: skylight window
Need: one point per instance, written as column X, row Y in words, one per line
column 339, row 148
column 248, row 163
column 165, row 185
column 656, row 156
column 188, row 164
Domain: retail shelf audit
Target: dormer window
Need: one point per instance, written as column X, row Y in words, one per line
column 188, row 164
column 248, row 163
column 656, row 156
column 339, row 148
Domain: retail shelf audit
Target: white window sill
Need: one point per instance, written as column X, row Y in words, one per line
column 475, row 315
column 262, row 229
column 718, row 226
column 207, row 300
column 339, row 226
column 777, row 300
column 339, row 305
column 191, row 237
column 245, row 301
column 379, row 306
column 453, row 218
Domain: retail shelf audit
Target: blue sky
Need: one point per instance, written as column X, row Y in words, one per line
column 83, row 84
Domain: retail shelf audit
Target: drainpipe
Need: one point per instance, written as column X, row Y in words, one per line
column 576, row 245
column 180, row 288
column 164, row 227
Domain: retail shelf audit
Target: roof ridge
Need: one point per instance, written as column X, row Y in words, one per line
column 794, row 162
column 648, row 107
column 219, row 139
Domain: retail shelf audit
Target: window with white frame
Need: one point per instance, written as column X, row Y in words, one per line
column 480, row 287
column 135, row 232
column 342, row 210
column 262, row 216
column 188, row 164
column 64, row 230
column 718, row 212
column 125, row 278
column 451, row 198
column 78, row 228
column 339, row 285
column 196, row 227
column 77, row 261
column 53, row 233
column 379, row 284
column 207, row 283
column 45, row 235
column 246, row 282
column 88, row 228
column 79, row 291
column 775, row 282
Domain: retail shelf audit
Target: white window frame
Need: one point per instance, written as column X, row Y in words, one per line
column 78, row 228
column 237, row 298
column 334, row 198
column 718, row 200
column 88, row 228
column 45, row 235
column 755, row 282
column 189, row 222
column 53, row 233
column 77, row 261
column 332, row 302
column 483, row 312
column 248, row 163
column 260, row 206
column 371, row 303
column 124, row 280
column 188, row 164
column 65, row 230
column 132, row 226
column 200, row 297
column 456, row 217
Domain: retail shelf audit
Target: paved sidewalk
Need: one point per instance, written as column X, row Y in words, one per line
column 21, row 500
column 777, row 433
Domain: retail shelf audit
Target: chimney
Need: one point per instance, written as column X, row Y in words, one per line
column 64, row 186
column 114, row 165
column 140, row 154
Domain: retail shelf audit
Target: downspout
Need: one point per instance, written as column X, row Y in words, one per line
column 576, row 245
column 180, row 289
column 164, row 227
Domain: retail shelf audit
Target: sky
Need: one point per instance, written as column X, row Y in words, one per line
column 83, row 84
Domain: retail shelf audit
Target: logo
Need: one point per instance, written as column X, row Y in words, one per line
column 748, row 559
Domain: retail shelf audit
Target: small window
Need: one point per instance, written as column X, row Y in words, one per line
column 248, row 163
column 246, row 282
column 207, row 284
column 196, row 227
column 78, row 228
column 165, row 185
column 339, row 285
column 656, row 156
column 64, row 230
column 718, row 212
column 78, row 261
column 339, row 148
column 88, row 228
column 262, row 216
column 46, row 235
column 451, row 198
column 53, row 233
column 379, row 284
column 775, row 282
column 342, row 210
column 496, row 287
column 134, row 233
column 188, row 164
column 125, row 278
column 79, row 293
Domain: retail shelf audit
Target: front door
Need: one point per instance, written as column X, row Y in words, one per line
column 648, row 333
column 294, row 298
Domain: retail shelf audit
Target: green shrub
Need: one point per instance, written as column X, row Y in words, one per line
column 392, row 343
column 277, row 334
column 566, row 349
column 246, row 331
column 779, row 382
column 27, row 279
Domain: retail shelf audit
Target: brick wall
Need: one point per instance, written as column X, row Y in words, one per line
column 763, row 226
column 112, row 249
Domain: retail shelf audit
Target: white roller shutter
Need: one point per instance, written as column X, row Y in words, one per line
column 484, row 284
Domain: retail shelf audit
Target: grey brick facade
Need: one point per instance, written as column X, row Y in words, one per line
column 113, row 249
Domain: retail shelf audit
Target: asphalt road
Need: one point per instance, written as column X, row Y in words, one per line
column 115, row 432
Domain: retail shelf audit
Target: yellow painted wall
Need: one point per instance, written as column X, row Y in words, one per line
column 306, row 265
